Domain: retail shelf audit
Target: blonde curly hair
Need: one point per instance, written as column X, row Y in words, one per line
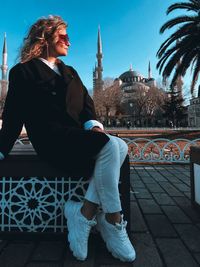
column 39, row 34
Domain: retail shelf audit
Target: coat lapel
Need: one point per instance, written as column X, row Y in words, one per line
column 74, row 93
column 44, row 73
column 65, row 72
column 71, row 81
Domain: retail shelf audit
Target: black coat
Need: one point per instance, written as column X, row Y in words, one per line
column 53, row 109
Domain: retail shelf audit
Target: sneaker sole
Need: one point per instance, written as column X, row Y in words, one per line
column 69, row 237
column 110, row 250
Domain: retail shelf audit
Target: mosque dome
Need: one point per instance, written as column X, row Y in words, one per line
column 131, row 76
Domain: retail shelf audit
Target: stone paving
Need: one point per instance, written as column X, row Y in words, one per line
column 165, row 228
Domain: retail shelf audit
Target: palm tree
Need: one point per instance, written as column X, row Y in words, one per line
column 182, row 49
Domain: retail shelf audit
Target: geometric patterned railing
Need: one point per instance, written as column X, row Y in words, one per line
column 159, row 150
column 35, row 204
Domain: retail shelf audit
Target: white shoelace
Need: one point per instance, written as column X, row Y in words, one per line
column 121, row 230
column 122, row 225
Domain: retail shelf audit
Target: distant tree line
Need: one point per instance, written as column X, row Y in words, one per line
column 140, row 108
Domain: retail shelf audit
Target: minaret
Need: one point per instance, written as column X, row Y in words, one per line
column 149, row 70
column 98, row 80
column 4, row 66
column 94, row 75
column 4, row 69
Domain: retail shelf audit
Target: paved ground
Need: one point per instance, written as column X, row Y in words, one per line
column 165, row 229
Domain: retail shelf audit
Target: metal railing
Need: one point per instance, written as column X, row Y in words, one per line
column 146, row 129
column 158, row 150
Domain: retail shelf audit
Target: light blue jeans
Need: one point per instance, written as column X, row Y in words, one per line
column 103, row 186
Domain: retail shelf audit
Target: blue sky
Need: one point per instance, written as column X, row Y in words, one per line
column 129, row 31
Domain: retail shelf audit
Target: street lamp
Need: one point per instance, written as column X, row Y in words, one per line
column 131, row 112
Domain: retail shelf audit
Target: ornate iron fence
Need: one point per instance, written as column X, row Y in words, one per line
column 159, row 150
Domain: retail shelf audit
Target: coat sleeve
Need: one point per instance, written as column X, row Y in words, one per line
column 12, row 116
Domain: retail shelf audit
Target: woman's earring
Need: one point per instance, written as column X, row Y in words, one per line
column 47, row 48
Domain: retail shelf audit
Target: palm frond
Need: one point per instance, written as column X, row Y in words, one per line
column 195, row 74
column 163, row 60
column 165, row 56
column 179, row 34
column 181, row 48
column 193, row 62
column 183, row 66
column 181, row 19
column 193, row 6
column 172, row 63
column 175, row 58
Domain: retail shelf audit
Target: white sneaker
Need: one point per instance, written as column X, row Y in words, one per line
column 78, row 229
column 116, row 238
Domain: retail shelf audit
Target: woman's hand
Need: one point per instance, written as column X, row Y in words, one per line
column 98, row 129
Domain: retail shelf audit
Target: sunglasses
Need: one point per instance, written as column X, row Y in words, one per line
column 64, row 38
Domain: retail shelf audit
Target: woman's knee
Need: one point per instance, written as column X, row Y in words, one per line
column 111, row 147
column 123, row 147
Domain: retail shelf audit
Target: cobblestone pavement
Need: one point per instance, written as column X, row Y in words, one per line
column 165, row 228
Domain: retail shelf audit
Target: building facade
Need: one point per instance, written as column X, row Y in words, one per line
column 194, row 111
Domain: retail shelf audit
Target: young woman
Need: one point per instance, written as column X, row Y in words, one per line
column 49, row 98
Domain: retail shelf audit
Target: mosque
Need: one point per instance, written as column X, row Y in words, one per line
column 129, row 79
column 129, row 82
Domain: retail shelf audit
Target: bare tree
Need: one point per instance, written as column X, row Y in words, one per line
column 107, row 101
column 155, row 99
column 142, row 103
column 133, row 101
